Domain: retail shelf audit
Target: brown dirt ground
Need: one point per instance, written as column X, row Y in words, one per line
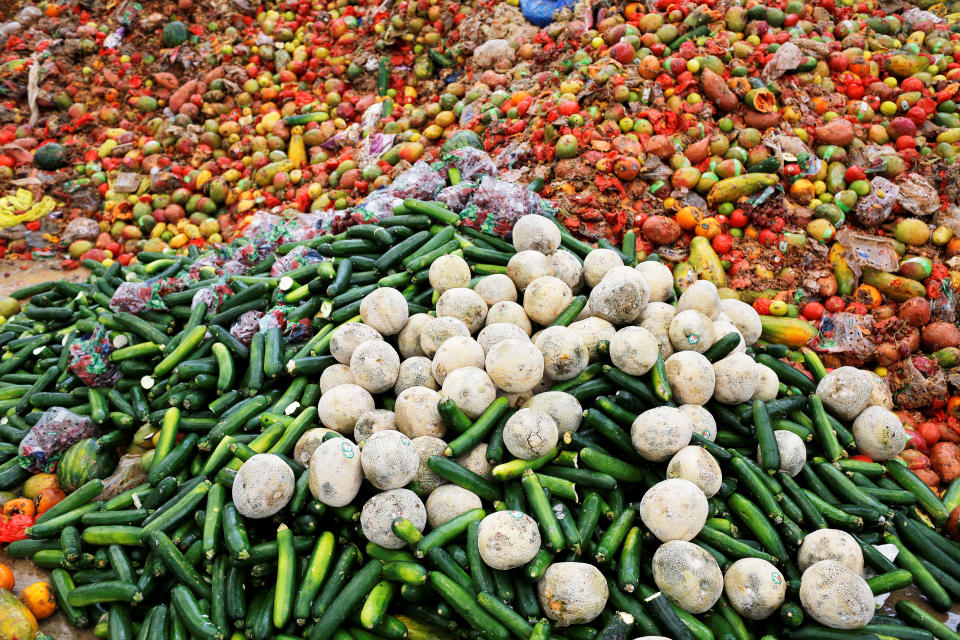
column 14, row 275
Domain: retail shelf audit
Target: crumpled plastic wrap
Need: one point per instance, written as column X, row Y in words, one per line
column 844, row 333
column 213, row 296
column 377, row 205
column 917, row 195
column 458, row 196
column 420, row 181
column 90, row 360
column 496, row 205
column 873, row 210
column 914, row 389
column 299, row 257
column 471, row 162
column 57, row 429
column 137, row 297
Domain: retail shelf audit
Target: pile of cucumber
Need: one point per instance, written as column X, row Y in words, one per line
column 173, row 558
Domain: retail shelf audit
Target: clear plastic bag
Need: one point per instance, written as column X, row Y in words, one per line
column 458, row 196
column 497, row 205
column 263, row 227
column 471, row 162
column 377, row 205
column 786, row 58
column 916, row 382
column 419, row 181
column 57, row 429
column 299, row 257
column 865, row 250
column 90, row 360
column 245, row 326
column 943, row 308
column 132, row 297
column 873, row 210
column 128, row 474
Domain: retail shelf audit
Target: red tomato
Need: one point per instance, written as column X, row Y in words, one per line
column 722, row 243
column 813, row 311
column 930, row 433
column 834, row 304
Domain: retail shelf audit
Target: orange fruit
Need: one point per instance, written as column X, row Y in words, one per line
column 6, row 577
column 688, row 218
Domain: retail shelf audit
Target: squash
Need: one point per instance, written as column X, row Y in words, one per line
column 85, row 460
column 40, row 599
column 174, row 34
column 792, row 332
column 50, row 156
column 16, row 621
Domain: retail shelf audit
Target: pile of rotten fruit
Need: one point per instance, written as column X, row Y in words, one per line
column 415, row 429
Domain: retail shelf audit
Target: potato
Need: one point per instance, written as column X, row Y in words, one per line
column 496, row 288
column 415, row 372
column 915, row 312
column 389, row 460
column 526, row 266
column 436, row 330
column 449, row 501
column 618, row 299
column 509, row 313
column 515, row 365
column 744, row 317
column 702, row 420
column 691, row 377
column 373, row 422
column 508, row 539
column 735, row 378
column 755, row 588
column 408, row 340
column 335, row 472
column 449, row 272
column 572, row 593
column 836, row 597
column 674, row 509
column 385, row 309
column 592, row 330
column 564, row 353
column 545, row 298
column 793, row 452
column 830, row 544
column 308, row 443
column 691, row 330
column 263, row 486
column 568, row 268
column 375, row 366
column 339, row 408
column 559, row 405
column 426, row 479
column 699, row 467
column 768, row 384
column 417, row 414
column 498, row 332
column 530, row 434
column 334, row 375
column 879, row 434
column 687, row 575
column 701, row 295
column 455, row 353
column 471, row 389
column 347, row 337
column 464, row 304
column 536, row 233
column 634, row 350
column 379, row 512
column 659, row 277
column 597, row 263
column 845, row 391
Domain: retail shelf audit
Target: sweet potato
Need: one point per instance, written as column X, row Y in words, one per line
column 715, row 88
column 660, row 230
column 761, row 121
column 886, row 354
column 939, row 335
column 838, row 131
column 945, row 460
column 945, row 433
